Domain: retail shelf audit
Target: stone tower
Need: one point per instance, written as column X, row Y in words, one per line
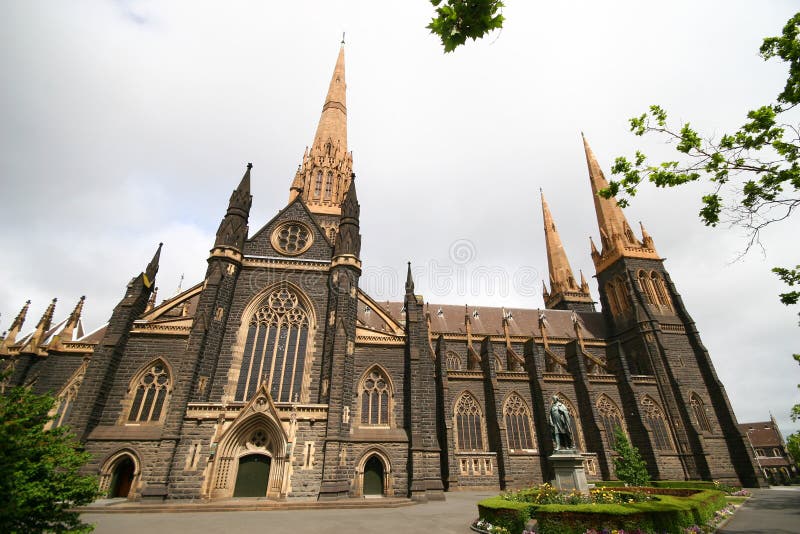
column 656, row 340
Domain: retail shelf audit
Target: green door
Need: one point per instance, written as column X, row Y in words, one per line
column 373, row 477
column 252, row 477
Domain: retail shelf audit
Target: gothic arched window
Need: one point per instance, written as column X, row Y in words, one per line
column 329, row 185
column 611, row 418
column 453, row 361
column 660, row 290
column 699, row 409
column 150, row 390
column 647, row 288
column 375, row 398
column 611, row 294
column 66, row 399
column 318, row 185
column 518, row 424
column 622, row 295
column 275, row 348
column 469, row 424
column 655, row 419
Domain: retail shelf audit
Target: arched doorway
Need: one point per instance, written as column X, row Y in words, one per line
column 373, row 477
column 252, row 476
column 122, row 477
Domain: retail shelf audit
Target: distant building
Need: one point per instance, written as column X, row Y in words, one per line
column 772, row 456
column 276, row 376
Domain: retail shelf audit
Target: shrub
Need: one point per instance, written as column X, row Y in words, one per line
column 665, row 513
column 629, row 465
column 508, row 514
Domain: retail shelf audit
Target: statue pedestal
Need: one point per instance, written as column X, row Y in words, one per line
column 570, row 475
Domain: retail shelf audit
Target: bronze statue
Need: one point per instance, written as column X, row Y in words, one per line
column 560, row 427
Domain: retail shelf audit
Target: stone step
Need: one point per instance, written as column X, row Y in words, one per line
column 241, row 505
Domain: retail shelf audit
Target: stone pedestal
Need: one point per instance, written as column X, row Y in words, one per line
column 570, row 475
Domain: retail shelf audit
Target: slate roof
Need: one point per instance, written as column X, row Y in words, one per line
column 762, row 434
column 487, row 320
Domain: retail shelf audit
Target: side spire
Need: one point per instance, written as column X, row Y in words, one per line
column 409, row 281
column 74, row 320
column 323, row 179
column 150, row 271
column 616, row 236
column 232, row 231
column 72, row 323
column 564, row 290
column 348, row 239
column 14, row 329
column 36, row 339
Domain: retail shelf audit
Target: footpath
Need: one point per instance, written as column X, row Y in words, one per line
column 769, row 511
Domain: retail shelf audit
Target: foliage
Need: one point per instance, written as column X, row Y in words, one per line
column 629, row 465
column 39, row 478
column 666, row 513
column 457, row 20
column 795, row 413
column 753, row 173
column 793, row 445
column 790, row 277
column 500, row 512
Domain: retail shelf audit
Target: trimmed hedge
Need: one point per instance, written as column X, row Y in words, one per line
column 667, row 514
column 509, row 514
column 676, row 484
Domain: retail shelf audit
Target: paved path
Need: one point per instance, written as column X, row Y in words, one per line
column 769, row 511
column 450, row 517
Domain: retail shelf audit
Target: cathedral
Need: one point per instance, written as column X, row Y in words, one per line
column 277, row 377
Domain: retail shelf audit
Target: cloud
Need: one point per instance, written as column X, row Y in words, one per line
column 113, row 139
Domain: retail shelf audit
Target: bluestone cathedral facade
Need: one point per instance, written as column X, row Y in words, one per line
column 277, row 377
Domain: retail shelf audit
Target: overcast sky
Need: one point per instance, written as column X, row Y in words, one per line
column 124, row 123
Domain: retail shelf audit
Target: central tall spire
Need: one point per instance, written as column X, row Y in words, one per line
column 323, row 178
column 333, row 122
column 616, row 235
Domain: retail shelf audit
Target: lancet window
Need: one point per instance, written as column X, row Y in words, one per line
column 647, row 288
column 655, row 419
column 611, row 418
column 660, row 290
column 150, row 390
column 375, row 399
column 611, row 294
column 66, row 399
column 275, row 348
column 469, row 424
column 328, row 186
column 318, row 185
column 699, row 410
column 518, row 424
column 622, row 295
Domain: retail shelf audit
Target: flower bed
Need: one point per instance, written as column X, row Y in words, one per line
column 634, row 511
column 676, row 484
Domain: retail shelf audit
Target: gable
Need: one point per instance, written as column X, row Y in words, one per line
column 179, row 307
column 263, row 242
